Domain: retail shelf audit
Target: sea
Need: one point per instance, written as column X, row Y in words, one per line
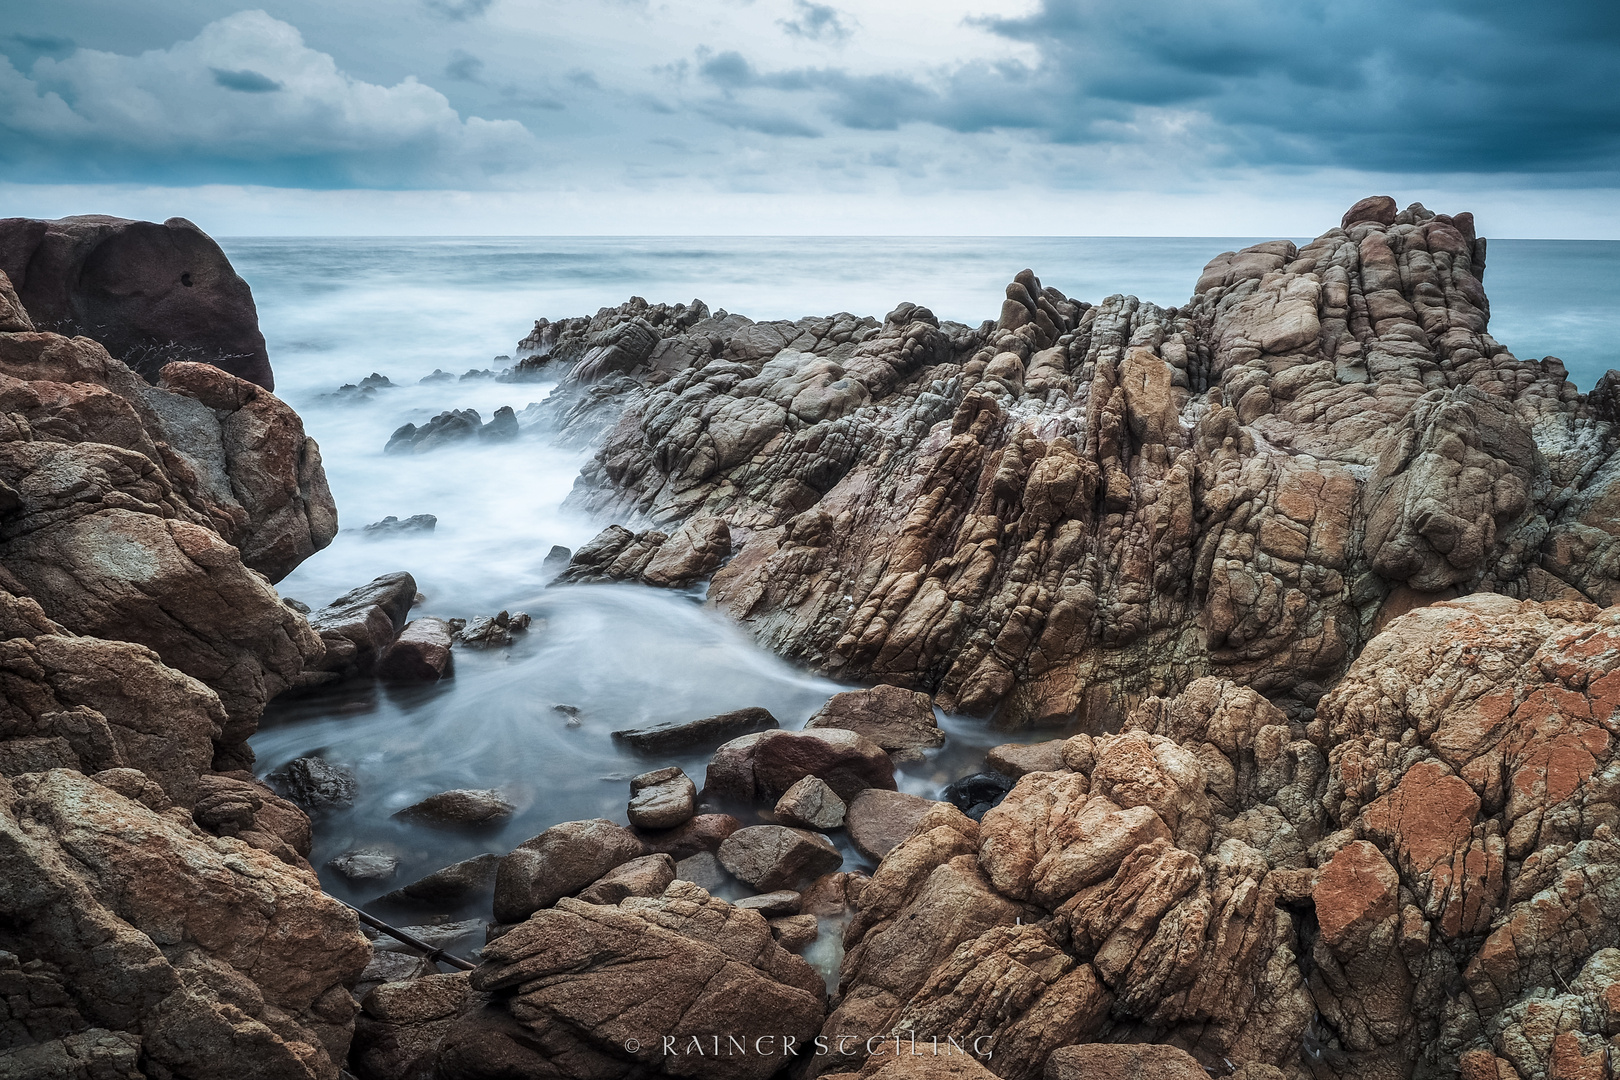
column 535, row 720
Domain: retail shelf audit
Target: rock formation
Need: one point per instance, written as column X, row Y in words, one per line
column 1075, row 506
column 149, row 293
column 158, row 916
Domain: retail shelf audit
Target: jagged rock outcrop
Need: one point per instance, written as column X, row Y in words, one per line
column 150, row 293
column 1079, row 505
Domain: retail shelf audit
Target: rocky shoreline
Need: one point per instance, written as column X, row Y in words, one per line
column 1317, row 571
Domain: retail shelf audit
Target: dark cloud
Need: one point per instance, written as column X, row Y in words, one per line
column 46, row 44
column 583, row 79
column 458, row 10
column 818, row 22
column 248, row 82
column 465, row 67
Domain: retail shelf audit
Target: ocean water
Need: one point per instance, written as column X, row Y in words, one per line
column 335, row 310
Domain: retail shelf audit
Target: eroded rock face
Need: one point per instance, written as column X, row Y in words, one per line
column 150, row 293
column 1078, row 506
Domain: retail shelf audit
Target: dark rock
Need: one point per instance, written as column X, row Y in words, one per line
column 662, row 799
column 704, row 870
column 438, row 376
column 460, row 808
column 1127, row 1061
column 314, row 784
column 710, row 731
column 444, row 429
column 975, row 794
column 392, row 525
column 421, row 653
column 891, row 716
column 559, row 862
column 451, row 884
column 772, row 857
column 150, row 293
column 492, row 630
column 387, row 966
column 502, row 425
column 366, row 864
column 359, row 625
column 555, row 562
column 878, row 820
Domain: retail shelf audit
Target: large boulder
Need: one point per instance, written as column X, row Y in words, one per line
column 150, row 293
column 892, row 717
column 763, row 766
column 358, row 626
column 609, row 992
column 558, row 863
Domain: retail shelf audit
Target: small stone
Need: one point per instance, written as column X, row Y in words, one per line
column 314, row 784
column 878, row 820
column 462, row 808
column 772, row 857
column 365, row 864
column 794, row 932
column 662, row 799
column 646, row 876
column 810, row 803
column 772, row 904
column 453, row 883
column 710, row 731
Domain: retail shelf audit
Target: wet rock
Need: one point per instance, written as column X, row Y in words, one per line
column 493, row 630
column 892, row 717
column 149, row 293
column 1015, row 759
column 387, row 966
column 669, row 560
column 771, row 857
column 975, row 794
column 502, row 426
column 462, row 808
column 704, row 870
column 447, row 428
column 421, row 653
column 1123, row 1061
column 453, row 937
column 366, row 864
column 772, row 905
column 559, row 862
column 795, row 932
column 763, row 766
column 833, row 895
column 702, row 833
column 555, row 562
column 439, row 376
column 452, row 884
column 812, row 804
column 314, row 784
column 702, row 966
column 662, row 799
column 393, row 526
column 710, row 731
column 359, row 626
column 878, row 820
column 646, row 876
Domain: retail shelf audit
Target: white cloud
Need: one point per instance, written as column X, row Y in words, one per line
column 243, row 92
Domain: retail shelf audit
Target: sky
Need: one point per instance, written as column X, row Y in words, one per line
column 1023, row 117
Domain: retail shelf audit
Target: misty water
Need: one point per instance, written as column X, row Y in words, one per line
column 335, row 310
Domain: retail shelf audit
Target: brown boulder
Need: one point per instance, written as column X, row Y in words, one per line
column 771, row 857
column 811, row 804
column 878, row 820
column 711, row 731
column 559, row 862
column 421, row 653
column 462, row 808
column 1380, row 209
column 764, row 765
column 892, row 717
column 359, row 625
column 649, row 875
column 702, row 833
column 150, row 293
column 1123, row 1061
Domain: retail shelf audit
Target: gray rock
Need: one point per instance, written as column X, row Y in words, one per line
column 646, row 876
column 662, row 799
column 810, row 803
column 314, row 783
column 555, row 562
column 459, row 938
column 365, row 864
column 451, row 884
column 710, row 731
column 704, row 870
column 360, row 624
column 461, row 808
column 878, row 820
column 772, row 857
column 772, row 904
column 391, row 525
column 558, row 863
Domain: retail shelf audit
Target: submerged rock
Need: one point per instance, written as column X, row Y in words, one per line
column 393, row 526
column 366, row 864
column 464, row 807
column 315, row 784
column 451, row 884
column 710, row 731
